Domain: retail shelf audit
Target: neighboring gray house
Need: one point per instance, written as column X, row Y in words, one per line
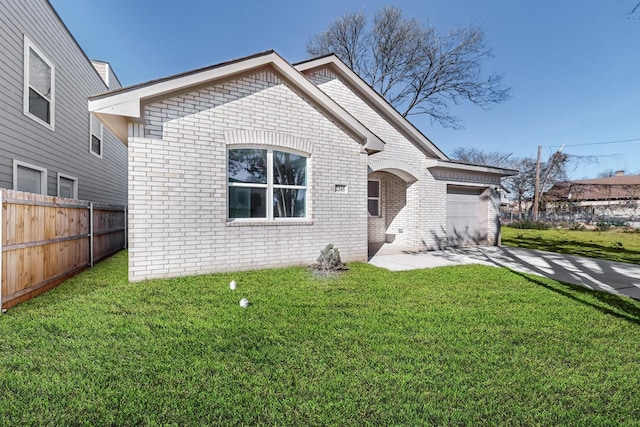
column 49, row 143
column 259, row 163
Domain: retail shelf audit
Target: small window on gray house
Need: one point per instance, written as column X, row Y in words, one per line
column 29, row 178
column 39, row 85
column 373, row 198
column 95, row 137
column 67, row 186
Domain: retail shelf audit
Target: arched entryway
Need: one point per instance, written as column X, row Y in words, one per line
column 391, row 207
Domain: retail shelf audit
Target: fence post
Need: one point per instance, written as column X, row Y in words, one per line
column 125, row 227
column 1, row 257
column 91, row 233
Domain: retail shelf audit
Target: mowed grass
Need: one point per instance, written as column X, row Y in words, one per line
column 470, row 345
column 612, row 245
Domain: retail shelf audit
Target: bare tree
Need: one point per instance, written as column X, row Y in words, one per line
column 606, row 174
column 479, row 157
column 412, row 66
column 521, row 186
column 554, row 170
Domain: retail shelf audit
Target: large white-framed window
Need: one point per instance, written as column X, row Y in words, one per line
column 67, row 186
column 373, row 197
column 95, row 136
column 265, row 183
column 29, row 178
column 39, row 85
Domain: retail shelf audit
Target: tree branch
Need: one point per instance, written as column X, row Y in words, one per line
column 410, row 65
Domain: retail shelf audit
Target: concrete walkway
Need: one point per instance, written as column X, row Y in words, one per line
column 608, row 276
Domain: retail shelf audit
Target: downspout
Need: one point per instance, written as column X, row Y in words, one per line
column 126, row 232
column 1, row 257
column 91, row 234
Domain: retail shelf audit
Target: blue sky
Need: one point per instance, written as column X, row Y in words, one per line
column 573, row 65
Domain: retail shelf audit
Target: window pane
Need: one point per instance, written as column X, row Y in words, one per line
column 39, row 75
column 289, row 168
column 373, row 189
column 246, row 202
column 289, row 203
column 373, row 205
column 96, row 145
column 248, row 165
column 96, row 134
column 66, row 188
column 29, row 180
column 96, row 127
column 39, row 106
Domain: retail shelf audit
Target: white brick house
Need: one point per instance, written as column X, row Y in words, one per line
column 258, row 163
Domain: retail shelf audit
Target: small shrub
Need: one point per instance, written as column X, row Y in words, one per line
column 630, row 229
column 329, row 260
column 618, row 245
column 618, row 223
column 527, row 224
column 602, row 226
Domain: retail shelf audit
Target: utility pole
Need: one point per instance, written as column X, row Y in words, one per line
column 536, row 189
column 553, row 161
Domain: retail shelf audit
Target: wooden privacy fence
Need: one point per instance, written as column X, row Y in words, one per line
column 45, row 240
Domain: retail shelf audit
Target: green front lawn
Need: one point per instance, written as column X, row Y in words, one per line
column 448, row 346
column 612, row 245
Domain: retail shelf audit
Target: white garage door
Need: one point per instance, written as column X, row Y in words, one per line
column 466, row 225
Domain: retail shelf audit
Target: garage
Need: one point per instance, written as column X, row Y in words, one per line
column 466, row 216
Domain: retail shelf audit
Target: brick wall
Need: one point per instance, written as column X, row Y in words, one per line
column 423, row 219
column 425, row 210
column 178, row 190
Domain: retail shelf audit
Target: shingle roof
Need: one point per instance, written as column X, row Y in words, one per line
column 622, row 187
column 117, row 108
column 612, row 180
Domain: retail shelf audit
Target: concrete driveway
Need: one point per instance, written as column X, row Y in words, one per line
column 608, row 276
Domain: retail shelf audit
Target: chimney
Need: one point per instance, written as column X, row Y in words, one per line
column 619, row 173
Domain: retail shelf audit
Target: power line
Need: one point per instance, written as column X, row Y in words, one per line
column 596, row 143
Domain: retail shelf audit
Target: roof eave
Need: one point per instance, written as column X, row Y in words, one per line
column 117, row 125
column 122, row 101
column 127, row 102
column 443, row 164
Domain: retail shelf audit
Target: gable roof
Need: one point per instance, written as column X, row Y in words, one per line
column 116, row 108
column 374, row 100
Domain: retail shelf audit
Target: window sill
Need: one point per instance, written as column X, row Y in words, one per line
column 38, row 120
column 268, row 223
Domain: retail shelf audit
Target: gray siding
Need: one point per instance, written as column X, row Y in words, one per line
column 65, row 150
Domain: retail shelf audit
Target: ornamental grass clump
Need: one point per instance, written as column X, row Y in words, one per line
column 329, row 261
